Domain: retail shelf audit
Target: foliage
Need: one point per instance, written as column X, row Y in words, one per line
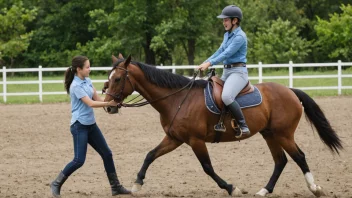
column 50, row 32
column 14, row 39
column 335, row 35
column 280, row 43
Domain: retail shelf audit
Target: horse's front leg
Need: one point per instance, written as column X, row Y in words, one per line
column 166, row 145
column 201, row 151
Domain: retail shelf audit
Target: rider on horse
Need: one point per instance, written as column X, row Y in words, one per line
column 232, row 52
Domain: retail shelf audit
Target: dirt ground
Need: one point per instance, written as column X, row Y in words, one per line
column 35, row 144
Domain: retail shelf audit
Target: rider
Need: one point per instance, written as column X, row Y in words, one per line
column 232, row 52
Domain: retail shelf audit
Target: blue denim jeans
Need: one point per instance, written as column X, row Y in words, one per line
column 82, row 136
column 235, row 79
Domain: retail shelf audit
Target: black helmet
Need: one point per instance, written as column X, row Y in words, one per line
column 231, row 11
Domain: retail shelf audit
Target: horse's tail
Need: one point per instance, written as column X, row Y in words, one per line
column 317, row 118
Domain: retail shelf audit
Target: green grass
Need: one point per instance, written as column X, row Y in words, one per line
column 59, row 87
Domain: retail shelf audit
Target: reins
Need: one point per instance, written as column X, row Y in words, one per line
column 136, row 104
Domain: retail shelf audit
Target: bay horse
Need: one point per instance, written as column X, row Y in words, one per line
column 185, row 119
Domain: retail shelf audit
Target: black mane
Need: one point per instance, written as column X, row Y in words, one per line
column 163, row 78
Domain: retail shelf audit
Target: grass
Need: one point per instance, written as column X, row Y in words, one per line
column 58, row 87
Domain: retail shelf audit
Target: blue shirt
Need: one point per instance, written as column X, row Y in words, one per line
column 80, row 111
column 232, row 50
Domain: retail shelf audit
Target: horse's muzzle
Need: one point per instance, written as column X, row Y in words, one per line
column 112, row 110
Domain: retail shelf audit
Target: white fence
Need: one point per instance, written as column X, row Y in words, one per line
column 260, row 77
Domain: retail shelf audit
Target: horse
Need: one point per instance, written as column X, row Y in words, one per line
column 185, row 119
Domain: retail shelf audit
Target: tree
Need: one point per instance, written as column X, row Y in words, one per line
column 13, row 36
column 187, row 24
column 61, row 27
column 280, row 43
column 335, row 35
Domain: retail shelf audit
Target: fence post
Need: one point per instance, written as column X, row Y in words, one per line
column 290, row 74
column 173, row 69
column 4, row 83
column 40, row 75
column 260, row 72
column 339, row 77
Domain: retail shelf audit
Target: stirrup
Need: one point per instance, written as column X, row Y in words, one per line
column 238, row 132
column 237, row 128
column 220, row 127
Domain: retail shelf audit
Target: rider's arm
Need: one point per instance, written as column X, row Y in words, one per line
column 221, row 49
column 235, row 45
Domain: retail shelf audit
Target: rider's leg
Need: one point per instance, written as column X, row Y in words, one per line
column 236, row 80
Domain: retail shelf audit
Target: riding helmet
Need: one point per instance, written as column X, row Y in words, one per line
column 231, row 11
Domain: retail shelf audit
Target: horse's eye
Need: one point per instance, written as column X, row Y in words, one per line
column 117, row 80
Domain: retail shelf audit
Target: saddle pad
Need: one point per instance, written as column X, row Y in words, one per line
column 249, row 100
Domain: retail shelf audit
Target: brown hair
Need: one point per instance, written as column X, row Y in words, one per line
column 77, row 61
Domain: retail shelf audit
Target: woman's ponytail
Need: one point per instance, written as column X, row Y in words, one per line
column 69, row 75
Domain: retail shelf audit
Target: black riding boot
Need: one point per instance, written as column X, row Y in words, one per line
column 116, row 187
column 236, row 112
column 57, row 183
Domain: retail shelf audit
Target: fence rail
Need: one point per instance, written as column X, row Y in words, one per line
column 259, row 66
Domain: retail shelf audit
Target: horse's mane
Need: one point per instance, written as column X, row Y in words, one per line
column 163, row 78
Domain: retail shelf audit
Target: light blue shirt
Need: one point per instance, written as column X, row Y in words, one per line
column 80, row 111
column 232, row 50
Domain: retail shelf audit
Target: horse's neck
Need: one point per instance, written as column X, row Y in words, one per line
column 158, row 96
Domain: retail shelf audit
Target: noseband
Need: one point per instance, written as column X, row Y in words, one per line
column 118, row 97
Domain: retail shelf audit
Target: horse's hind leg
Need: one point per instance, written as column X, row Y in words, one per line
column 298, row 156
column 280, row 160
column 201, row 151
column 166, row 145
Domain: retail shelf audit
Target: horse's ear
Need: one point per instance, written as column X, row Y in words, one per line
column 120, row 56
column 128, row 60
column 114, row 59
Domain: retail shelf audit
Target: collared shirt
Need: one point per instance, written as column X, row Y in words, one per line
column 232, row 50
column 80, row 111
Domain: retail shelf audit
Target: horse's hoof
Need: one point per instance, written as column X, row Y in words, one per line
column 236, row 192
column 317, row 191
column 136, row 187
column 262, row 192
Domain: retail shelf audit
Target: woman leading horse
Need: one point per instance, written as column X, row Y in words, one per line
column 185, row 119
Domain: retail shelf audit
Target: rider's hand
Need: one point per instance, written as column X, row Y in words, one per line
column 112, row 103
column 204, row 66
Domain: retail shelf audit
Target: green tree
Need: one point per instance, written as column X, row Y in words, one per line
column 14, row 39
column 313, row 9
column 259, row 15
column 61, row 28
column 335, row 35
column 280, row 43
column 188, row 24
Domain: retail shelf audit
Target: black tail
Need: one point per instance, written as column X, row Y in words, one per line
column 317, row 118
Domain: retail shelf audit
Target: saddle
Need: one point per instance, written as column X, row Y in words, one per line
column 213, row 97
column 218, row 85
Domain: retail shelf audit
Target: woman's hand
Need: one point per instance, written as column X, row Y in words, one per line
column 112, row 103
column 204, row 66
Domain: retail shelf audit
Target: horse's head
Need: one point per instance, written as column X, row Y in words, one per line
column 119, row 85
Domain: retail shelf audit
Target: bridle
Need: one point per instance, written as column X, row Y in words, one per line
column 119, row 96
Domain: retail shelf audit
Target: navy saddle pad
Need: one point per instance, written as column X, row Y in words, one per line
column 249, row 100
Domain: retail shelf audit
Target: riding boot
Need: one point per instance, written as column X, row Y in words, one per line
column 236, row 112
column 56, row 184
column 116, row 187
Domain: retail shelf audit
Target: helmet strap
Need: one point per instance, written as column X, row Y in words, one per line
column 229, row 31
